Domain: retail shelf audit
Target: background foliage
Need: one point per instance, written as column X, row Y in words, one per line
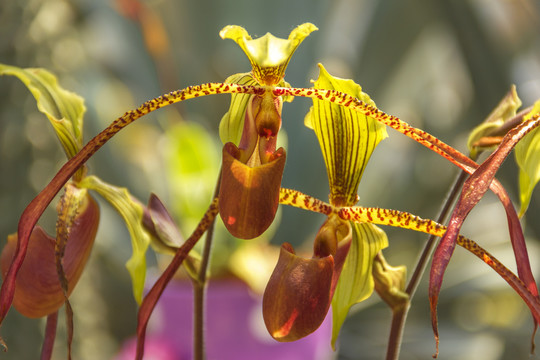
column 441, row 66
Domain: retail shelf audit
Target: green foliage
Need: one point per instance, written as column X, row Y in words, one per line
column 132, row 212
column 64, row 109
column 527, row 154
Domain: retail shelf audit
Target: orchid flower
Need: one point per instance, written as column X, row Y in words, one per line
column 347, row 262
column 300, row 290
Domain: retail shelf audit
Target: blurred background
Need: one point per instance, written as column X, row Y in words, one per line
column 439, row 65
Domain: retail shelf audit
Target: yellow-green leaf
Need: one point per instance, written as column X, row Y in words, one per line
column 132, row 213
column 268, row 55
column 356, row 281
column 347, row 138
column 505, row 110
column 528, row 159
column 64, row 109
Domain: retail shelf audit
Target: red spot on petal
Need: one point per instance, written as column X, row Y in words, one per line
column 286, row 328
column 231, row 220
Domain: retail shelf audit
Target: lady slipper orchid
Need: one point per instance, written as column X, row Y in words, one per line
column 252, row 169
column 39, row 271
column 347, row 140
column 346, row 260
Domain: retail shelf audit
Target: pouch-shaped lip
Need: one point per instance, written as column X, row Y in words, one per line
column 298, row 295
column 249, row 196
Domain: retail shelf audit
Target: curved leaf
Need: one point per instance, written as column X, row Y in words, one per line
column 473, row 190
column 527, row 154
column 505, row 110
column 132, row 213
column 64, row 109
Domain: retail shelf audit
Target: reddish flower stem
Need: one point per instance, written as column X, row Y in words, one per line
column 199, row 289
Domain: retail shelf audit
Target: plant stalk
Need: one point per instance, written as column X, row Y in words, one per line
column 199, row 289
column 399, row 315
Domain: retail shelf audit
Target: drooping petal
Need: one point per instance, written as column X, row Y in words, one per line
column 249, row 196
column 37, row 288
column 64, row 109
column 268, row 55
column 132, row 213
column 356, row 281
column 527, row 154
column 347, row 138
column 297, row 297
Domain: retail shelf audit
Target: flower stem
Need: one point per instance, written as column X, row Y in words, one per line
column 399, row 315
column 199, row 290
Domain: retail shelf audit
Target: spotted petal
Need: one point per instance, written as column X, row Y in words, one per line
column 347, row 138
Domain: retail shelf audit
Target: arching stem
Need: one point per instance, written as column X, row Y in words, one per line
column 409, row 221
column 37, row 206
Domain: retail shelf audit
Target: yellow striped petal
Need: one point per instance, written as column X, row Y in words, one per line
column 347, row 138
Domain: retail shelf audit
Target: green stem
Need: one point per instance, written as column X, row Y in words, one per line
column 399, row 316
column 199, row 289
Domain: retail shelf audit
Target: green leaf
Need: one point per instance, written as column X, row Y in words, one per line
column 504, row 111
column 356, row 281
column 528, row 159
column 64, row 109
column 347, row 138
column 132, row 213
